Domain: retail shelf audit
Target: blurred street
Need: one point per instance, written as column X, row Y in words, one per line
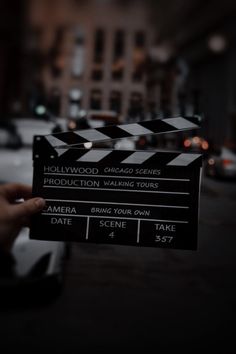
column 120, row 298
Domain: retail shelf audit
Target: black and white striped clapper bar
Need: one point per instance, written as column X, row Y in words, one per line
column 139, row 198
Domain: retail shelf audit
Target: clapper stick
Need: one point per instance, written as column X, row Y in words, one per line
column 138, row 198
column 113, row 132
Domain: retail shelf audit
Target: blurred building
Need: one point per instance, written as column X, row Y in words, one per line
column 201, row 35
column 141, row 59
column 11, row 37
column 88, row 54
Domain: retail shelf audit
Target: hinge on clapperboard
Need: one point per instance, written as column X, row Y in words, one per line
column 142, row 198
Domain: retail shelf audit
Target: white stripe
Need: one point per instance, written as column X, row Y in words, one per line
column 87, row 228
column 53, row 141
column 135, row 129
column 183, row 159
column 116, row 217
column 138, row 157
column 99, row 202
column 180, row 123
column 129, row 177
column 92, row 135
column 138, row 231
column 61, row 151
column 118, row 190
column 94, row 155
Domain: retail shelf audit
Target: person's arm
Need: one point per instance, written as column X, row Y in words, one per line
column 14, row 215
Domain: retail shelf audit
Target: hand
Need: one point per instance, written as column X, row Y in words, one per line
column 14, row 215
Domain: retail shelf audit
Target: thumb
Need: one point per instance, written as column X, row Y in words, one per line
column 28, row 207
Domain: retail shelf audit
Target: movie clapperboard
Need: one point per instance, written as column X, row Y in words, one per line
column 139, row 197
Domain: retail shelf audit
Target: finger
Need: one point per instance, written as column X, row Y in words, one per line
column 25, row 221
column 13, row 191
column 27, row 208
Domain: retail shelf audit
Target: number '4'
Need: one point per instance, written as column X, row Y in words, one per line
column 112, row 235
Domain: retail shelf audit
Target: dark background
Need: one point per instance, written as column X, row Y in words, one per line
column 123, row 298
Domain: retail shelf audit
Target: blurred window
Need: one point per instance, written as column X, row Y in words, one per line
column 97, row 72
column 135, row 105
column 75, row 95
column 136, row 98
column 55, row 57
column 118, row 55
column 139, row 55
column 98, row 55
column 99, row 46
column 54, row 103
column 96, row 99
column 139, row 39
column 115, row 101
column 75, row 101
column 79, row 53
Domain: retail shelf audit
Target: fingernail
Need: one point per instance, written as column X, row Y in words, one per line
column 39, row 202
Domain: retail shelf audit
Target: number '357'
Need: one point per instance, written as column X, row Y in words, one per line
column 163, row 239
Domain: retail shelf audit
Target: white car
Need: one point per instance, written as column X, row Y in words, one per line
column 35, row 261
column 222, row 163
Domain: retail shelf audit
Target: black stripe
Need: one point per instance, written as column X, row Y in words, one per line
column 116, row 157
column 157, row 126
column 114, row 132
column 72, row 155
column 162, row 158
column 196, row 120
column 70, row 138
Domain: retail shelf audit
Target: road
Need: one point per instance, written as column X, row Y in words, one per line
column 144, row 300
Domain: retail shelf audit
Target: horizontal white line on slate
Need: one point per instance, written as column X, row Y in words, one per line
column 115, row 217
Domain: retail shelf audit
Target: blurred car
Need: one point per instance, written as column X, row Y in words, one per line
column 26, row 128
column 125, row 144
column 196, row 144
column 34, row 261
column 106, row 117
column 9, row 137
column 222, row 163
